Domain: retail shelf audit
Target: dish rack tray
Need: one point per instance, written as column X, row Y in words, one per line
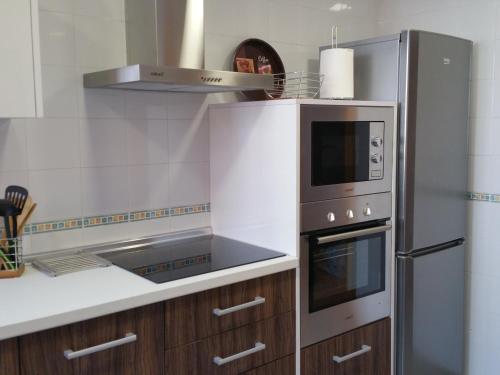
column 61, row 264
column 11, row 257
column 296, row 85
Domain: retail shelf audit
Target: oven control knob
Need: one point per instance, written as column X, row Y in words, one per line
column 377, row 141
column 330, row 216
column 376, row 158
column 350, row 214
column 367, row 211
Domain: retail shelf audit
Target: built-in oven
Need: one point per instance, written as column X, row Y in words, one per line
column 345, row 268
column 345, row 150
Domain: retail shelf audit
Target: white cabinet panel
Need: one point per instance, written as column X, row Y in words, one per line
column 19, row 59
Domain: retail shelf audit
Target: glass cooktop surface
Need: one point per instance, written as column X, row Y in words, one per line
column 173, row 260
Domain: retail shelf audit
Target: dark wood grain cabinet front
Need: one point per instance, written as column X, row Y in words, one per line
column 364, row 351
column 9, row 357
column 283, row 366
column 201, row 315
column 128, row 343
column 235, row 351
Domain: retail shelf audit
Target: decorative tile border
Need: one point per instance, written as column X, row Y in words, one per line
column 484, row 197
column 100, row 220
column 173, row 264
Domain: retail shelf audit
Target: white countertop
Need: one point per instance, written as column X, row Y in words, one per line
column 35, row 301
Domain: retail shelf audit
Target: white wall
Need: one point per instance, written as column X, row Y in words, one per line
column 478, row 20
column 103, row 152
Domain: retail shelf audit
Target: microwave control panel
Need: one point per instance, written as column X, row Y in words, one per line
column 376, row 150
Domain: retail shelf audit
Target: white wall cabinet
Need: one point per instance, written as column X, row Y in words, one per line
column 20, row 69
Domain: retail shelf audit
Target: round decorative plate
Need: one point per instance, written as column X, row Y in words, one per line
column 258, row 57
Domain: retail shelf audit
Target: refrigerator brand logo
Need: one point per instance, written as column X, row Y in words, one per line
column 446, row 61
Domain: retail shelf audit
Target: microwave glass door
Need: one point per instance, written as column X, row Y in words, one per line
column 346, row 270
column 340, row 152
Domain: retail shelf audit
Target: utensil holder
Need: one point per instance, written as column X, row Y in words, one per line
column 11, row 257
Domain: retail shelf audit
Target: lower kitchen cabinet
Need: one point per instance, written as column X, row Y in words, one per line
column 283, row 366
column 45, row 353
column 233, row 349
column 9, row 358
column 191, row 318
column 370, row 347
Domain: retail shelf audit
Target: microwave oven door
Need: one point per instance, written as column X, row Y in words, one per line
column 338, row 158
column 345, row 280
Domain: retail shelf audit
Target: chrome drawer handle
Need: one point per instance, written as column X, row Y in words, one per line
column 364, row 349
column 257, row 301
column 257, row 348
column 129, row 337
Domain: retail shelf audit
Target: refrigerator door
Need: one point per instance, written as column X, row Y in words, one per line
column 432, row 170
column 430, row 312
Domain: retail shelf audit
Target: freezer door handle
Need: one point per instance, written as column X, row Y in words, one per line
column 364, row 349
column 356, row 233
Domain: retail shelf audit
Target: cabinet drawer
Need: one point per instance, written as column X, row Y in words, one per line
column 277, row 334
column 9, row 357
column 43, row 353
column 283, row 366
column 318, row 359
column 192, row 317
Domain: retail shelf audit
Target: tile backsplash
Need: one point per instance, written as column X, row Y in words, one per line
column 108, row 156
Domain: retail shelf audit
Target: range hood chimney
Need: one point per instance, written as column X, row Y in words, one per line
column 165, row 44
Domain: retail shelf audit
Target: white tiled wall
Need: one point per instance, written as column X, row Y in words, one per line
column 105, row 151
column 478, row 20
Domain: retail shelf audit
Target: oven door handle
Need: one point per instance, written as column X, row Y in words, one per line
column 356, row 233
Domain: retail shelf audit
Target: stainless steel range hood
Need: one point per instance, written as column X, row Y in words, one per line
column 165, row 52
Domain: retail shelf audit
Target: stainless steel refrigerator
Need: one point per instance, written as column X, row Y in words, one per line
column 428, row 74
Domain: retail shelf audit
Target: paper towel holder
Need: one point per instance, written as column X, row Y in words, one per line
column 335, row 36
column 337, row 67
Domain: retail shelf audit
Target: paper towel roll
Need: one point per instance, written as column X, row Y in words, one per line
column 337, row 64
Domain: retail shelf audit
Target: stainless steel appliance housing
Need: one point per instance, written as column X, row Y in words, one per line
column 165, row 44
column 345, row 270
column 346, row 245
column 428, row 74
column 360, row 159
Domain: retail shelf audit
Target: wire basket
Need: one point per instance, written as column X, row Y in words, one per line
column 11, row 257
column 296, row 85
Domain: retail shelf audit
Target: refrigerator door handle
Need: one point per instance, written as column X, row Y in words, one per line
column 433, row 249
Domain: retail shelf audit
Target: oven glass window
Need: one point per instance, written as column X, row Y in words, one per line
column 345, row 270
column 340, row 152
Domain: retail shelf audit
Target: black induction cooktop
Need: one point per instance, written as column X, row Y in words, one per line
column 173, row 260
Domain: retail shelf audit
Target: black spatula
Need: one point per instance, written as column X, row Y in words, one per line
column 17, row 195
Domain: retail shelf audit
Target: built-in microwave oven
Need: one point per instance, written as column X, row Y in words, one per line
column 345, row 151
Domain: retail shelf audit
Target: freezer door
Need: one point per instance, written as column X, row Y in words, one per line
column 430, row 313
column 432, row 169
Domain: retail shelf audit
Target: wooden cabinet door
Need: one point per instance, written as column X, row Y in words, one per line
column 9, row 357
column 317, row 359
column 192, row 318
column 283, row 366
column 278, row 335
column 42, row 353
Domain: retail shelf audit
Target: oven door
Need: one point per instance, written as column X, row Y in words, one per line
column 345, row 151
column 345, row 280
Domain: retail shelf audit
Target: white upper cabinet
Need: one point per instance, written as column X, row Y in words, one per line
column 20, row 71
